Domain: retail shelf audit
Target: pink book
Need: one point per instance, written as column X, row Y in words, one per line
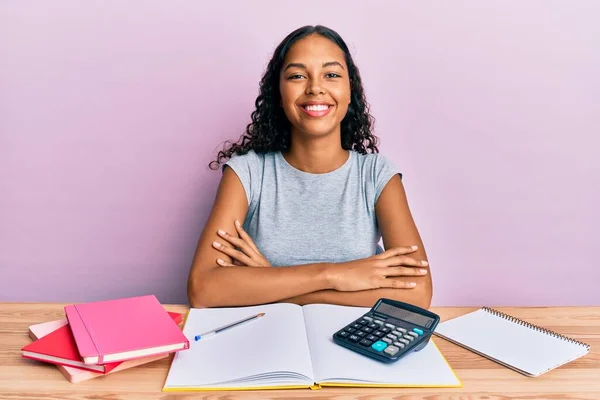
column 123, row 329
column 75, row 375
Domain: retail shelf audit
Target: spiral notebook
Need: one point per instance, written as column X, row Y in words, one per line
column 509, row 341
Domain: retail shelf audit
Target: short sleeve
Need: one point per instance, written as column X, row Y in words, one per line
column 246, row 167
column 384, row 170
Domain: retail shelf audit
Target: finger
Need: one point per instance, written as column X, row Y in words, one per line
column 245, row 236
column 224, row 263
column 405, row 260
column 403, row 271
column 397, row 251
column 397, row 284
column 233, row 253
column 237, row 242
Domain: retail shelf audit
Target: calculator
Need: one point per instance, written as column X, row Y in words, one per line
column 389, row 331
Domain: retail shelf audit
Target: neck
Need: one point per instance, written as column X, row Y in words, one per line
column 316, row 155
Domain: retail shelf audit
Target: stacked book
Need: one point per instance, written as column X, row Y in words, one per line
column 104, row 337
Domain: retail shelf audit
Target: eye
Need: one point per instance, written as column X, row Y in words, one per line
column 332, row 75
column 295, row 76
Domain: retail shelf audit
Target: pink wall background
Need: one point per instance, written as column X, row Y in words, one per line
column 111, row 111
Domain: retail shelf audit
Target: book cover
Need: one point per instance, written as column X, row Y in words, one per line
column 59, row 347
column 123, row 329
column 539, row 349
column 75, row 375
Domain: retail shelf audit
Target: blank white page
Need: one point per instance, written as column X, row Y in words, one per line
column 270, row 351
column 523, row 348
column 336, row 364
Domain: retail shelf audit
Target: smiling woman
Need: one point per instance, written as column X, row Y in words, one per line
column 312, row 193
column 312, row 91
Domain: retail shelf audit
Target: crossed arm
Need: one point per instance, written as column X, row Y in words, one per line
column 211, row 285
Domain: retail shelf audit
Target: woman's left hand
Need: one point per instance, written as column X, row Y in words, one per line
column 248, row 255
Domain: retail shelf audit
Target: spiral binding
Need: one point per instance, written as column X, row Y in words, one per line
column 534, row 327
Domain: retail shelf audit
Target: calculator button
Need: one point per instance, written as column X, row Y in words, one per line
column 372, row 337
column 378, row 321
column 353, row 338
column 361, row 334
column 373, row 326
column 391, row 326
column 420, row 332
column 379, row 345
column 356, row 326
column 350, row 329
column 413, row 334
column 387, row 340
column 404, row 341
column 367, row 329
column 391, row 350
column 368, row 319
column 400, row 330
column 408, row 337
column 378, row 333
column 343, row 334
column 399, row 345
column 366, row 342
column 363, row 322
column 393, row 337
column 397, row 333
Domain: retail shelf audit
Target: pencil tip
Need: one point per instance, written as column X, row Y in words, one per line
column 262, row 314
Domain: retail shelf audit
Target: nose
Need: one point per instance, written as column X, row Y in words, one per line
column 314, row 87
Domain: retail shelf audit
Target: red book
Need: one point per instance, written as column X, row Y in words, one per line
column 58, row 347
column 123, row 329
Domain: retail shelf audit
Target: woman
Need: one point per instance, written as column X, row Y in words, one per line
column 312, row 194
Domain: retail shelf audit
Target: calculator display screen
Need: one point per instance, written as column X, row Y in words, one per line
column 405, row 315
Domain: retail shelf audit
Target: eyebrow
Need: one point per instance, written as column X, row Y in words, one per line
column 325, row 65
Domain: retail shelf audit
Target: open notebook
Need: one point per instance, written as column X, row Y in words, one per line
column 516, row 344
column 291, row 347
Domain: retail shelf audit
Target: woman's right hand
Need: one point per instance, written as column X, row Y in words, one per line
column 374, row 272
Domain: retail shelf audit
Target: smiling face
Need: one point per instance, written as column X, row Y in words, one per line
column 315, row 86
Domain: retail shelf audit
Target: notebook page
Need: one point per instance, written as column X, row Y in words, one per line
column 272, row 350
column 334, row 363
column 509, row 342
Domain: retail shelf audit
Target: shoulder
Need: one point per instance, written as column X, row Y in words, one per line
column 249, row 169
column 371, row 158
column 376, row 164
column 377, row 170
column 250, row 159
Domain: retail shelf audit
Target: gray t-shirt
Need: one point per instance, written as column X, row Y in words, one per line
column 295, row 217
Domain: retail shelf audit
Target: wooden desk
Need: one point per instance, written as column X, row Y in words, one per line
column 482, row 379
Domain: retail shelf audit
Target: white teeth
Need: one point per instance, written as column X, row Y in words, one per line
column 317, row 107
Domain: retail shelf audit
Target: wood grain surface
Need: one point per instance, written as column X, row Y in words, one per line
column 482, row 379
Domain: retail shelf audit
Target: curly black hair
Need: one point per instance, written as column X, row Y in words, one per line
column 270, row 128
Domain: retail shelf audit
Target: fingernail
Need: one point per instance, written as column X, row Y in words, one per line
column 423, row 271
column 216, row 244
column 221, row 232
column 425, row 263
column 414, row 247
column 220, row 261
column 237, row 222
column 412, row 284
